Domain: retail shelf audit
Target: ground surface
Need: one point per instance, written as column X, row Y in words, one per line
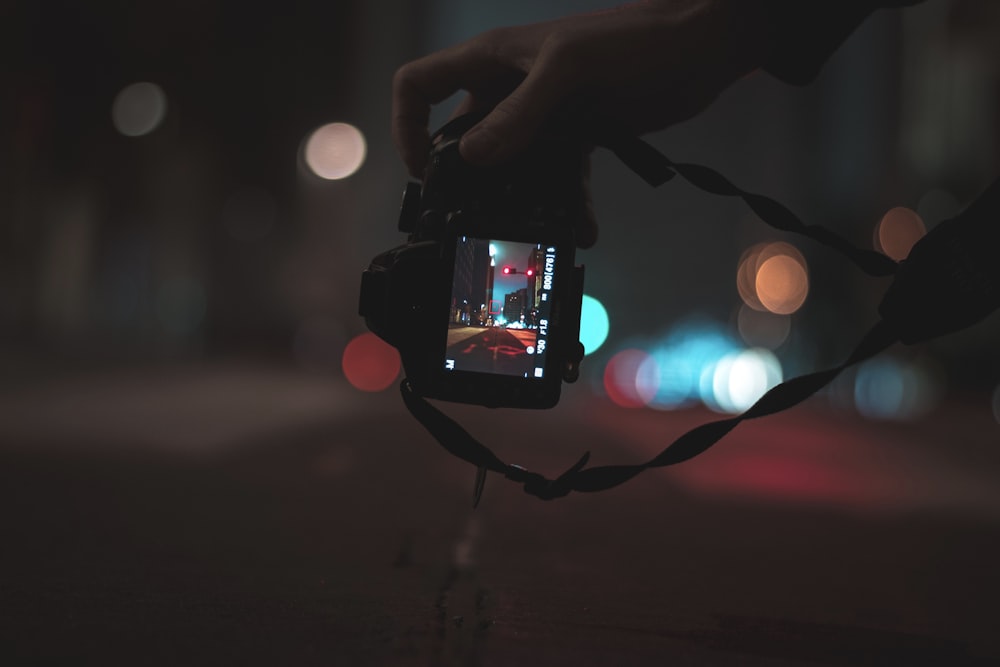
column 247, row 516
column 492, row 350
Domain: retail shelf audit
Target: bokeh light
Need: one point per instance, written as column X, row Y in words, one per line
column 762, row 328
column 594, row 324
column 623, row 382
column 685, row 361
column 897, row 231
column 369, row 363
column 139, row 109
column 782, row 284
column 746, row 276
column 773, row 277
column 740, row 378
column 888, row 389
column 335, row 151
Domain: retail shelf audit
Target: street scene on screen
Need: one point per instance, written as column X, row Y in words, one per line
column 500, row 305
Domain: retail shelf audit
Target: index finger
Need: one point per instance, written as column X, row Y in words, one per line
column 426, row 81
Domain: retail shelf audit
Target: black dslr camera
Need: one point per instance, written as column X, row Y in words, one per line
column 483, row 300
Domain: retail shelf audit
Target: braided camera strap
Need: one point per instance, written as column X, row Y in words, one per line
column 950, row 281
column 460, row 443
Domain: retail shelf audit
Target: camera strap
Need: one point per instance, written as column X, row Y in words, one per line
column 949, row 281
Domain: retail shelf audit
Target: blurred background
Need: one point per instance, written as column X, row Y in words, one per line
column 206, row 181
column 202, row 451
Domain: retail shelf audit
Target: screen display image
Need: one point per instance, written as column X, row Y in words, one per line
column 500, row 306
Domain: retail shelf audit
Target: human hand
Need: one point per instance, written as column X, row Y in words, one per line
column 646, row 65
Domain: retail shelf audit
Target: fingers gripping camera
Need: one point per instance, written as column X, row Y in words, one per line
column 483, row 300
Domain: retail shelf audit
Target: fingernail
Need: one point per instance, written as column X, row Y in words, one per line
column 479, row 146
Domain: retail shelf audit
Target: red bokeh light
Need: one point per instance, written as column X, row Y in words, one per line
column 369, row 363
column 622, row 382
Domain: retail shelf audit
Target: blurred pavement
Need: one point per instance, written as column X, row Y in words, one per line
column 254, row 515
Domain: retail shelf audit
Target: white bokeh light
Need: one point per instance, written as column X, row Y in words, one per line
column 740, row 379
column 335, row 151
column 139, row 109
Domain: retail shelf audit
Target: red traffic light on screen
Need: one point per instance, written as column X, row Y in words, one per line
column 507, row 270
column 529, row 272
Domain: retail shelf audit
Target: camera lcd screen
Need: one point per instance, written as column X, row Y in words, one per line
column 501, row 301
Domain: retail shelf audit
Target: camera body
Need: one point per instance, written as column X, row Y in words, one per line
column 483, row 300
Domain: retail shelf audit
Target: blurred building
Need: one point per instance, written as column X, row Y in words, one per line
column 187, row 217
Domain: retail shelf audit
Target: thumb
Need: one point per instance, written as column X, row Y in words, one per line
column 512, row 125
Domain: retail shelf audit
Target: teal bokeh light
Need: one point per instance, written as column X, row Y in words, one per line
column 593, row 324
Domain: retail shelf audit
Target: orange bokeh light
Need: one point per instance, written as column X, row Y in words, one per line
column 782, row 284
column 772, row 277
column 898, row 230
column 746, row 276
column 369, row 363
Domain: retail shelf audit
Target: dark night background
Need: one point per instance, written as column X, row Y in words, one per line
column 185, row 469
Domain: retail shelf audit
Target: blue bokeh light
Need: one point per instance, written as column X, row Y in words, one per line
column 889, row 389
column 686, row 360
